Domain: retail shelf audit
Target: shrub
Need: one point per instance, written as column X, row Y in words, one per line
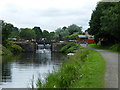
column 115, row 47
column 73, row 36
column 16, row 48
column 70, row 47
column 6, row 51
column 13, row 47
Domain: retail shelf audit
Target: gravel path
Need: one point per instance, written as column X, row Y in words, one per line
column 111, row 74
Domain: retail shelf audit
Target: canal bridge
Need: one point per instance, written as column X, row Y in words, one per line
column 45, row 41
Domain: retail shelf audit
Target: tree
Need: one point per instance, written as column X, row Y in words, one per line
column 104, row 22
column 61, row 33
column 52, row 35
column 6, row 31
column 46, row 34
column 74, row 28
column 64, row 28
column 27, row 33
column 110, row 25
column 38, row 32
column 14, row 33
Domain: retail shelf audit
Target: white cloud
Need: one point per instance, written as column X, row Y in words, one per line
column 48, row 14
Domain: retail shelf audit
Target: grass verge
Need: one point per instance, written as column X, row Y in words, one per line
column 83, row 70
column 113, row 48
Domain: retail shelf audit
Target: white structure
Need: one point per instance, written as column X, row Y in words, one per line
column 89, row 36
column 83, row 36
column 70, row 54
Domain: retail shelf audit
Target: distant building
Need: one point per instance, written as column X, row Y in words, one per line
column 89, row 36
column 86, row 38
column 83, row 37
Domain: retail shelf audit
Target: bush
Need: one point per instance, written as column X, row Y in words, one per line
column 115, row 47
column 6, row 51
column 13, row 47
column 73, row 36
column 16, row 48
column 70, row 47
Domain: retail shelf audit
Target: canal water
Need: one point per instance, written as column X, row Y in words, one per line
column 19, row 71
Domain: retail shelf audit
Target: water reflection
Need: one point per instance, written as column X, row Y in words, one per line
column 18, row 71
column 6, row 72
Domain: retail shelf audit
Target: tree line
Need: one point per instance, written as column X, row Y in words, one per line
column 10, row 31
column 105, row 23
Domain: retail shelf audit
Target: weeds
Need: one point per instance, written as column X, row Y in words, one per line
column 83, row 70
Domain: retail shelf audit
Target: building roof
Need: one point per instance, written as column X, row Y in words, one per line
column 82, row 36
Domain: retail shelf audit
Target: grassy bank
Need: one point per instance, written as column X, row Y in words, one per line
column 83, row 70
column 70, row 47
column 113, row 48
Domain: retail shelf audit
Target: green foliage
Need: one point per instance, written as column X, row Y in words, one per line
column 14, row 33
column 83, row 70
column 13, row 47
column 16, row 48
column 69, row 47
column 38, row 32
column 61, row 33
column 6, row 51
column 92, row 71
column 6, row 31
column 52, row 35
column 114, row 48
column 74, row 28
column 110, row 25
column 104, row 22
column 46, row 34
column 27, row 33
column 73, row 36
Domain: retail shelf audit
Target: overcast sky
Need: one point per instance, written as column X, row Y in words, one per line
column 47, row 14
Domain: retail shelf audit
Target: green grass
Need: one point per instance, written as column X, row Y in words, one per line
column 113, row 48
column 92, row 72
column 83, row 70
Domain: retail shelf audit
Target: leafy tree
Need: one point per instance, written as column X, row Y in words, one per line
column 46, row 34
column 15, row 33
column 27, row 33
column 64, row 28
column 6, row 31
column 38, row 32
column 61, row 33
column 74, row 28
column 110, row 25
column 104, row 22
column 52, row 35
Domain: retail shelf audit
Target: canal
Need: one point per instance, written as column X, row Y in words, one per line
column 19, row 71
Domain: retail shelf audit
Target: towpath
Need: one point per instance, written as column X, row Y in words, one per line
column 111, row 74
